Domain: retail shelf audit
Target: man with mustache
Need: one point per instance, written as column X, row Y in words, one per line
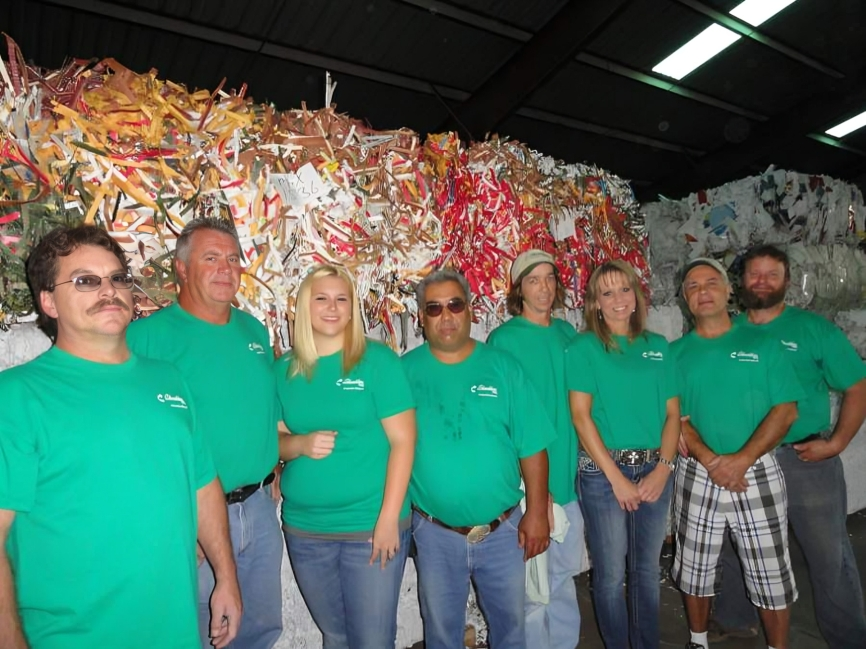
column 105, row 482
column 824, row 360
column 225, row 356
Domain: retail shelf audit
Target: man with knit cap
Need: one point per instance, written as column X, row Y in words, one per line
column 538, row 341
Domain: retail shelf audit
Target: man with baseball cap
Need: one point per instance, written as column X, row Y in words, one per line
column 538, row 341
column 738, row 393
column 808, row 455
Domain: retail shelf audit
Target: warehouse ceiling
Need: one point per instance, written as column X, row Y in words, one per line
column 571, row 79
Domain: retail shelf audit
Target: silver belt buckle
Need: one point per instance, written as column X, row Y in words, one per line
column 633, row 458
column 478, row 533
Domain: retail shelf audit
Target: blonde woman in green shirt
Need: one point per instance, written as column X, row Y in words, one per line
column 349, row 451
column 624, row 405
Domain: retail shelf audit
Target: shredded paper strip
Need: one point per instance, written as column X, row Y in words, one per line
column 97, row 143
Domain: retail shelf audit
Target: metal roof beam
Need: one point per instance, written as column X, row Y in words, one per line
column 839, row 144
column 564, row 35
column 471, row 18
column 666, row 84
column 745, row 29
column 580, row 125
column 726, row 164
column 222, row 37
column 493, row 26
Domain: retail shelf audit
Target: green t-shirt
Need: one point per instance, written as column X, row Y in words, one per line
column 343, row 491
column 541, row 352
column 823, row 359
column 729, row 384
column 630, row 387
column 101, row 464
column 228, row 368
column 476, row 420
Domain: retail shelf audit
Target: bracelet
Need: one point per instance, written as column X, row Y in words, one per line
column 671, row 464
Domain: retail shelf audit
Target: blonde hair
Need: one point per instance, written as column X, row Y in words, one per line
column 593, row 319
column 304, row 353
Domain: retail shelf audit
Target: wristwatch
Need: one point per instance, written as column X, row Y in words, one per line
column 671, row 464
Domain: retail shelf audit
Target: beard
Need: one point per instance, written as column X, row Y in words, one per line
column 752, row 300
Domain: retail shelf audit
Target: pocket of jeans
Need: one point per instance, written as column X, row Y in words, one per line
column 418, row 522
column 585, row 464
column 514, row 520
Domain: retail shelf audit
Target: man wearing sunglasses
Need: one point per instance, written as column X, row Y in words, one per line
column 538, row 341
column 225, row 356
column 105, row 482
column 479, row 429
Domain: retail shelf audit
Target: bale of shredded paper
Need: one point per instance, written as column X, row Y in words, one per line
column 95, row 142
column 819, row 220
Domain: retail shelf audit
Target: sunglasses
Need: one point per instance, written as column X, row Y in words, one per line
column 87, row 283
column 455, row 306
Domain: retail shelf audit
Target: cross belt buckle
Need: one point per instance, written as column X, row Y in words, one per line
column 634, row 457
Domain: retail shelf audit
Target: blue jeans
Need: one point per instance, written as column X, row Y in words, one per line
column 557, row 624
column 258, row 551
column 817, row 511
column 621, row 541
column 353, row 603
column 446, row 562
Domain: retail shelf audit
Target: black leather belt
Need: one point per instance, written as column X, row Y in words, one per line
column 809, row 438
column 635, row 457
column 242, row 493
column 473, row 533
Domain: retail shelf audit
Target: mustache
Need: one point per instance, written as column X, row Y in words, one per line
column 105, row 303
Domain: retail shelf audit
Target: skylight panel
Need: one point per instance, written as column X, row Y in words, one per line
column 716, row 38
column 848, row 126
column 755, row 12
column 697, row 51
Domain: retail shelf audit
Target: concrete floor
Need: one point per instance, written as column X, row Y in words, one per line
column 674, row 631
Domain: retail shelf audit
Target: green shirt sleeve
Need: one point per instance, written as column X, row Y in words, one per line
column 679, row 378
column 138, row 338
column 579, row 375
column 671, row 381
column 840, row 364
column 391, row 392
column 281, row 376
column 205, row 471
column 530, row 427
column 19, row 457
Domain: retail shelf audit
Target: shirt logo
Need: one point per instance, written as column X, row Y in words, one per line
column 745, row 357
column 172, row 400
column 257, row 348
column 485, row 391
column 791, row 347
column 355, row 385
column 654, row 356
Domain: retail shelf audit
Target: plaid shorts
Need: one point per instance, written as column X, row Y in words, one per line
column 758, row 519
